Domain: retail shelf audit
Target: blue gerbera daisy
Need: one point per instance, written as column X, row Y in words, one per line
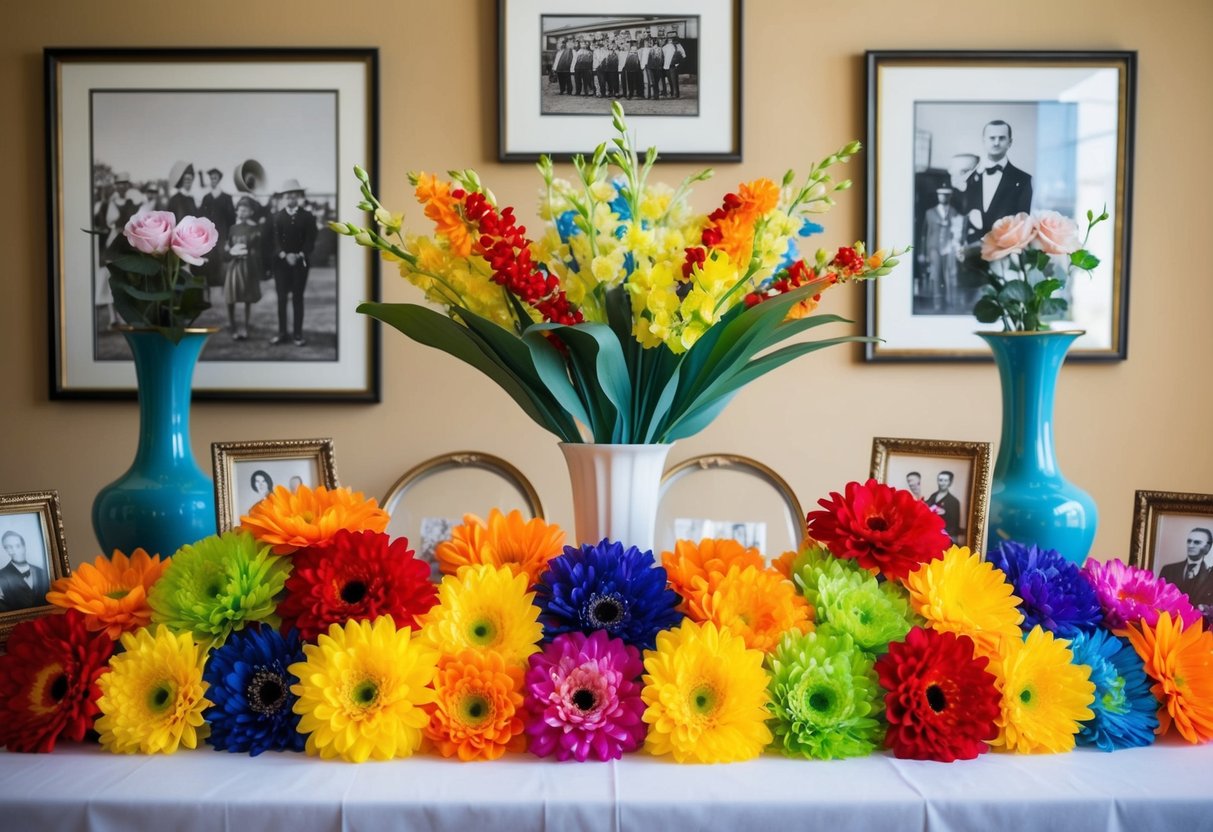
column 1056, row 594
column 251, row 691
column 1126, row 713
column 607, row 587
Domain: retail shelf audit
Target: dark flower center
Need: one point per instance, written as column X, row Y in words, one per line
column 353, row 592
column 584, row 699
column 605, row 611
column 819, row 701
column 59, row 687
column 266, row 692
column 878, row 524
column 936, row 699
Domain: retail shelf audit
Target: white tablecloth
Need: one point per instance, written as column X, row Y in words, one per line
column 1166, row 787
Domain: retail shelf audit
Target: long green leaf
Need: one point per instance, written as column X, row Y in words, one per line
column 697, row 420
column 596, row 350
column 551, row 368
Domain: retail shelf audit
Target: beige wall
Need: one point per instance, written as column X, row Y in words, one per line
column 1143, row 423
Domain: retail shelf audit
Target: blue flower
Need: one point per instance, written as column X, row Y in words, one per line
column 1056, row 594
column 566, row 226
column 251, row 691
column 792, row 253
column 619, row 205
column 808, row 228
column 607, row 587
column 1126, row 713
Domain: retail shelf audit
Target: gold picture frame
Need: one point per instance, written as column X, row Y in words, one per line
column 26, row 517
column 1166, row 521
column 312, row 461
column 895, row 460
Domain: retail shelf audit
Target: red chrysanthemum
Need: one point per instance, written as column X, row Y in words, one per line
column 48, row 681
column 941, row 703
column 356, row 576
column 884, row 528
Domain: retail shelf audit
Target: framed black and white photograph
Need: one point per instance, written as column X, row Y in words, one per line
column 263, row 144
column 951, row 477
column 676, row 69
column 959, row 140
column 32, row 555
column 1173, row 538
column 247, row 472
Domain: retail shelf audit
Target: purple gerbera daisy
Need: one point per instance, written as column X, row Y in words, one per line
column 583, row 700
column 1128, row 594
column 1055, row 593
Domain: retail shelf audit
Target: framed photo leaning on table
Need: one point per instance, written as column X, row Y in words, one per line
column 262, row 143
column 32, row 555
column 676, row 68
column 1173, row 537
column 958, row 140
column 951, row 477
column 247, row 472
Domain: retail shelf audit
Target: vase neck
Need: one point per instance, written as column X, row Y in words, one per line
column 165, row 373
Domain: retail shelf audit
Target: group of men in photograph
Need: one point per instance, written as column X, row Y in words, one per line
column 623, row 64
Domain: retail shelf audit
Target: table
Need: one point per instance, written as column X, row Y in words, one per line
column 1164, row 787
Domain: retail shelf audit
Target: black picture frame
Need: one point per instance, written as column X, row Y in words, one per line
column 97, row 99
column 923, row 105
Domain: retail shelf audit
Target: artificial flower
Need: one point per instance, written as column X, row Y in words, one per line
column 824, row 697
column 691, row 565
column 218, row 585
column 757, row 604
column 941, row 702
column 250, row 688
column 111, row 592
column 48, row 681
column 1129, row 595
column 363, row 689
column 289, row 521
column 872, row 612
column 886, row 529
column 583, row 699
column 477, row 712
column 1054, row 593
column 1179, row 658
column 706, row 696
column 485, row 608
column 1126, row 713
column 783, row 563
column 153, row 696
column 814, row 561
column 961, row 593
column 525, row 546
column 356, row 576
column 606, row 587
column 1045, row 696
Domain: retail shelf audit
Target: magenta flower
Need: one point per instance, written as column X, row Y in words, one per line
column 1128, row 594
column 583, row 698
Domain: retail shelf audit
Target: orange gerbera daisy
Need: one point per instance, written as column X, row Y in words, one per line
column 691, row 565
column 478, row 712
column 783, row 563
column 292, row 521
column 760, row 605
column 435, row 195
column 510, row 540
column 111, row 592
column 758, row 197
column 1181, row 662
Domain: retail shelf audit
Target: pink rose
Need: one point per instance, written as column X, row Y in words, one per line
column 1055, row 233
column 150, row 231
column 193, row 238
column 1010, row 235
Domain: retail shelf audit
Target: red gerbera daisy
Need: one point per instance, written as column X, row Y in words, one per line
column 356, row 576
column 884, row 528
column 48, row 681
column 941, row 702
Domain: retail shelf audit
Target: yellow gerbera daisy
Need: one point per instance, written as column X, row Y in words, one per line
column 289, row 521
column 525, row 546
column 691, row 565
column 960, row 593
column 153, row 696
column 706, row 696
column 1044, row 694
column 757, row 604
column 111, row 592
column 485, row 608
column 362, row 691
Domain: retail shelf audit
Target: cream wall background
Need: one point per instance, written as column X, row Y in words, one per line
column 1144, row 423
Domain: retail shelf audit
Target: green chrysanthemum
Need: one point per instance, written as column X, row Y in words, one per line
column 824, row 696
column 218, row 585
column 871, row 612
column 815, row 562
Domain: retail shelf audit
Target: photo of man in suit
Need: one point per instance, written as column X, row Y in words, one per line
column 1194, row 574
column 294, row 236
column 996, row 188
column 22, row 584
column 945, row 504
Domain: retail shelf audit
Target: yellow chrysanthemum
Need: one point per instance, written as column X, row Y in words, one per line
column 290, row 521
column 362, row 691
column 1180, row 660
column 111, row 592
column 153, row 696
column 509, row 540
column 961, row 593
column 706, row 696
column 485, row 608
column 478, row 711
column 691, row 565
column 1044, row 694
column 757, row 604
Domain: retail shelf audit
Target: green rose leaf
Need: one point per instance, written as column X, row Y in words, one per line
column 1084, row 260
column 987, row 310
column 1046, row 287
column 1015, row 291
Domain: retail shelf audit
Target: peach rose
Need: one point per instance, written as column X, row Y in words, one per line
column 150, row 231
column 1055, row 233
column 1010, row 235
column 193, row 238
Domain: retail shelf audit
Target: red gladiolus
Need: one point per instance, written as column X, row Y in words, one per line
column 848, row 261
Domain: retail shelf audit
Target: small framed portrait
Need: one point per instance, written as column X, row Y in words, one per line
column 260, row 142
column 959, row 140
column 247, row 472
column 1173, row 538
column 953, row 478
column 32, row 555
column 675, row 69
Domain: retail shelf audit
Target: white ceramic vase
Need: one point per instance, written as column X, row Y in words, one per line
column 615, row 491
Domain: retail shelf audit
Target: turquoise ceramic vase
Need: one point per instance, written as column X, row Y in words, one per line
column 1030, row 501
column 164, row 500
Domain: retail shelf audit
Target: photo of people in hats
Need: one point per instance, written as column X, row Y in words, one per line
column 262, row 167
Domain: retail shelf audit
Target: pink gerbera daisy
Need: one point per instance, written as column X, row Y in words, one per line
column 1128, row 595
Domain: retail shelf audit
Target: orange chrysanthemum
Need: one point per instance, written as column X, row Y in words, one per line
column 1181, row 661
column 760, row 605
column 435, row 195
column 758, row 197
column 691, row 565
column 292, row 521
column 478, row 712
column 783, row 563
column 509, row 540
column 111, row 592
